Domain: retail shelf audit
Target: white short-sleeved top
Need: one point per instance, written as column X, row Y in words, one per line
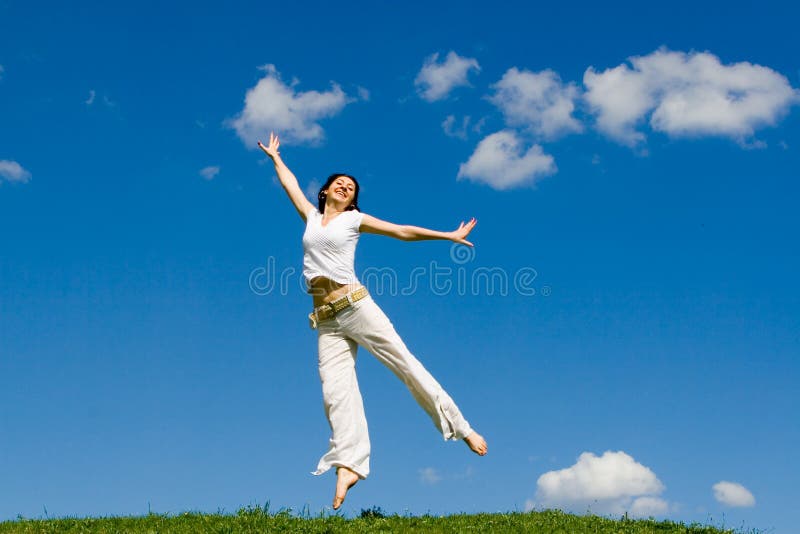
column 329, row 251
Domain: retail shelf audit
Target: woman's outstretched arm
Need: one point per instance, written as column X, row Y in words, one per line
column 286, row 177
column 373, row 225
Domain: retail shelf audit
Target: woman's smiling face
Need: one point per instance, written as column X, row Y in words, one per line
column 342, row 189
column 340, row 192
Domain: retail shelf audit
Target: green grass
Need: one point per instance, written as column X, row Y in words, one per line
column 255, row 519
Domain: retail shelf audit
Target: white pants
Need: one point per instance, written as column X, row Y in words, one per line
column 365, row 324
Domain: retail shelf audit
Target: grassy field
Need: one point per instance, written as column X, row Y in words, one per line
column 255, row 519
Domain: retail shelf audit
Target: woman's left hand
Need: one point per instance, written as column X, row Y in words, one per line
column 459, row 235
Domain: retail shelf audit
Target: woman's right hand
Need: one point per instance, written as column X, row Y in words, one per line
column 272, row 149
column 460, row 234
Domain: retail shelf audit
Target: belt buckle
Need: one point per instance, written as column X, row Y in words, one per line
column 323, row 313
column 332, row 308
column 339, row 304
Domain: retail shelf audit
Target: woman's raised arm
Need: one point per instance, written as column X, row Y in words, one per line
column 373, row 225
column 286, row 177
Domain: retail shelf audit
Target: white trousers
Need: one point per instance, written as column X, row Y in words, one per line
column 365, row 324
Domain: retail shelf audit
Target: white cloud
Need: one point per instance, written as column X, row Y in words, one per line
column 12, row 171
column 538, row 101
column 499, row 161
column 620, row 99
column 209, row 172
column 1, row 72
column 451, row 130
column 648, row 506
column 733, row 494
column 686, row 94
column 429, row 475
column 613, row 483
column 363, row 93
column 435, row 80
column 275, row 106
column 89, row 101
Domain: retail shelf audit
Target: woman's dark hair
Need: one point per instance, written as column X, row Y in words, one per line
column 323, row 195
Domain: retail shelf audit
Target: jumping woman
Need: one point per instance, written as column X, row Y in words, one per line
column 345, row 317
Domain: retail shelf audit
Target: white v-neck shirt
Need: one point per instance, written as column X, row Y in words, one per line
column 329, row 250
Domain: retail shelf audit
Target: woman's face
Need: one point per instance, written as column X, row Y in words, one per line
column 342, row 190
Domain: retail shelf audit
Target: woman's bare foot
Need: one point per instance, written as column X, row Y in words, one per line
column 345, row 479
column 477, row 443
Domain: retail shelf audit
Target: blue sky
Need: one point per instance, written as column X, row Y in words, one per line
column 641, row 161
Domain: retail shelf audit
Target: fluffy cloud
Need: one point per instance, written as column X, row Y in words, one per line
column 273, row 105
column 12, row 171
column 648, row 507
column 613, row 483
column 435, row 80
column 429, row 476
column 500, row 161
column 686, row 95
column 209, row 172
column 733, row 494
column 451, row 130
column 1, row 72
column 538, row 101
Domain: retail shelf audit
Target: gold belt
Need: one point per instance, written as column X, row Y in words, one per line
column 327, row 311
